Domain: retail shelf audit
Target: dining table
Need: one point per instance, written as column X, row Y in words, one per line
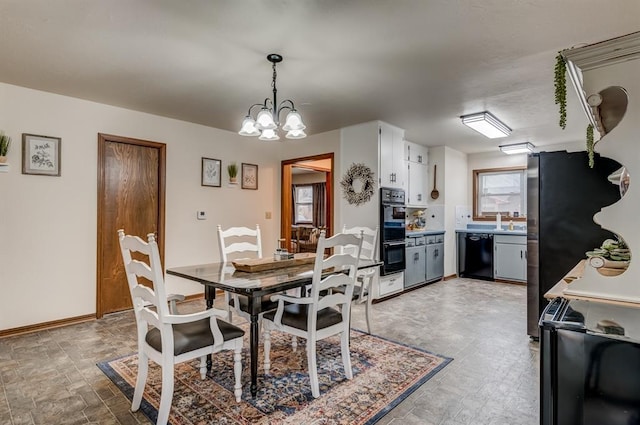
column 254, row 285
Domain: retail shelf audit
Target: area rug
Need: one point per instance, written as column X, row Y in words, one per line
column 384, row 374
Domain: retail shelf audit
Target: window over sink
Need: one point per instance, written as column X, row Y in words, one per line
column 500, row 190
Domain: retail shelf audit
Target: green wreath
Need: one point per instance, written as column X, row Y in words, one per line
column 358, row 172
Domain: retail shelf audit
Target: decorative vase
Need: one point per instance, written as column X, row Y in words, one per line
column 233, row 180
column 3, row 159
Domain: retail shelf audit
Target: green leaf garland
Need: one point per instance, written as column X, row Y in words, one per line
column 590, row 145
column 560, row 85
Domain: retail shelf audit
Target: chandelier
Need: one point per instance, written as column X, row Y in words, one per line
column 267, row 120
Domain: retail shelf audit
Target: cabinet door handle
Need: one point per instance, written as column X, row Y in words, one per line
column 416, row 256
column 521, row 254
column 419, row 197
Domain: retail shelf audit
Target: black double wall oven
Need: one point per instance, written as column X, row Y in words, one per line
column 392, row 223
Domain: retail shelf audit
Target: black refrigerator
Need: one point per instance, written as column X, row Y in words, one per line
column 589, row 364
column 563, row 194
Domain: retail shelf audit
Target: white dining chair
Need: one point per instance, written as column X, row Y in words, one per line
column 168, row 338
column 322, row 313
column 241, row 242
column 362, row 292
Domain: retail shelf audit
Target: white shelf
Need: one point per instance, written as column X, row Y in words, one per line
column 4, row 167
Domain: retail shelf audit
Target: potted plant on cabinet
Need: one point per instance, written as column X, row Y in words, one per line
column 5, row 143
column 232, row 169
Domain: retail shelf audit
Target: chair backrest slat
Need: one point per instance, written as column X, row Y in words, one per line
column 321, row 294
column 239, row 240
column 143, row 297
column 369, row 241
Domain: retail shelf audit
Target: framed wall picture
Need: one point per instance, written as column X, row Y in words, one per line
column 41, row 155
column 249, row 176
column 211, row 172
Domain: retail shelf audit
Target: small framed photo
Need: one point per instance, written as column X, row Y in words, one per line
column 249, row 176
column 211, row 171
column 41, row 155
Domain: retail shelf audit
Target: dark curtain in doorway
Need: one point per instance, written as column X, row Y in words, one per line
column 319, row 204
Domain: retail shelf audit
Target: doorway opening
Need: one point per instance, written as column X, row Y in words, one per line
column 307, row 201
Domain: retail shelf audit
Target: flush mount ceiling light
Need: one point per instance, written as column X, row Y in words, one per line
column 486, row 124
column 267, row 121
column 517, row 148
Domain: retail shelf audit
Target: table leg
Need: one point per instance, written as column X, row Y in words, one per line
column 254, row 336
column 209, row 296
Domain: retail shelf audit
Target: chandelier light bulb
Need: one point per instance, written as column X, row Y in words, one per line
column 296, row 134
column 264, row 120
column 269, row 135
column 293, row 122
column 249, row 127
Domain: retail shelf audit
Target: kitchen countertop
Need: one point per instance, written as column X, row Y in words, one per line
column 423, row 232
column 494, row 231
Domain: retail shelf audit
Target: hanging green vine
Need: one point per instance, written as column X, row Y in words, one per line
column 590, row 144
column 560, row 85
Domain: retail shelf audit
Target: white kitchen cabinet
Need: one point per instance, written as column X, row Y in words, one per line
column 418, row 174
column 417, row 186
column 415, row 152
column 391, row 148
column 389, row 284
column 510, row 257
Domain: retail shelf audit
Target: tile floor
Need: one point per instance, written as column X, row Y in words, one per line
column 50, row 377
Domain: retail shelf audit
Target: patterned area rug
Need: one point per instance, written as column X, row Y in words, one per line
column 384, row 374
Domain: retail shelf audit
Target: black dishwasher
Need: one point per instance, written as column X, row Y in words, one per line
column 478, row 256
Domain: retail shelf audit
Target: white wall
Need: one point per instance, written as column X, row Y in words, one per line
column 456, row 186
column 48, row 232
column 359, row 144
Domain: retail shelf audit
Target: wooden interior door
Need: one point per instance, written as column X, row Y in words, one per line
column 286, row 203
column 131, row 196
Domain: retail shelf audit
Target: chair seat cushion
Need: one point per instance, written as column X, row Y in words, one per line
column 267, row 304
column 356, row 291
column 192, row 336
column 295, row 315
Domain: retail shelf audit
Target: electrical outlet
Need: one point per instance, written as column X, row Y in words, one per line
column 267, row 215
column 201, row 215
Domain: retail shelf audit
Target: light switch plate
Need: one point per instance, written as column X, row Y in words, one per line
column 201, row 215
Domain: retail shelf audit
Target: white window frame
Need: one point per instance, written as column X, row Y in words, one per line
column 298, row 187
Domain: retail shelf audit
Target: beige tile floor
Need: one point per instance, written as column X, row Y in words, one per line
column 50, row 377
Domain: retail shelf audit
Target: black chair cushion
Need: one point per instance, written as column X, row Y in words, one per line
column 192, row 336
column 295, row 315
column 267, row 304
column 356, row 291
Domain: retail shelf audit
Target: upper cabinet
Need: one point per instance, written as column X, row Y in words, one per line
column 391, row 148
column 414, row 152
column 418, row 172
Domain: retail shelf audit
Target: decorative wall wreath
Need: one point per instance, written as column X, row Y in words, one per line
column 365, row 175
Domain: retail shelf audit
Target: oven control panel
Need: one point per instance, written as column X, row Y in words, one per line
column 392, row 196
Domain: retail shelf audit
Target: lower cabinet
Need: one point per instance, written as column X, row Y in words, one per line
column 390, row 284
column 435, row 261
column 510, row 258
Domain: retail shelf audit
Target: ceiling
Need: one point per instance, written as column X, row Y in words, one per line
column 415, row 64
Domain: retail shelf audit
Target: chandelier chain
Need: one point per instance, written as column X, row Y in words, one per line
column 273, row 81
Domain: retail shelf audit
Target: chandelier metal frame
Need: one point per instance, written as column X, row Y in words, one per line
column 267, row 120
